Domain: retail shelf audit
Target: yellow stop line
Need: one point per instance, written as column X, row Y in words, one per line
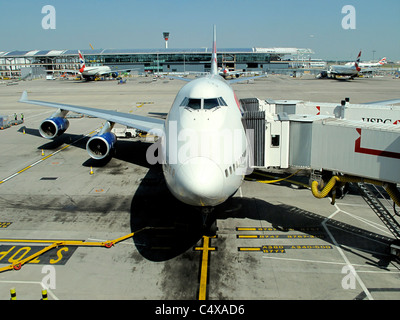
column 204, row 266
column 44, row 158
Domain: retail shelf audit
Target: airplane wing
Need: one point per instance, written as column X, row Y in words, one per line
column 114, row 70
column 178, row 78
column 245, row 78
column 146, row 124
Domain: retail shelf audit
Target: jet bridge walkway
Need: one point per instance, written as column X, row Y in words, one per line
column 352, row 143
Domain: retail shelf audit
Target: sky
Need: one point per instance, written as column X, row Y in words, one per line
column 133, row 24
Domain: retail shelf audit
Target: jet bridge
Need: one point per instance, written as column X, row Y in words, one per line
column 352, row 143
column 342, row 139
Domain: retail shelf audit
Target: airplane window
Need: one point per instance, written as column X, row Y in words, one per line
column 184, row 102
column 194, row 103
column 207, row 103
column 211, row 103
column 222, row 102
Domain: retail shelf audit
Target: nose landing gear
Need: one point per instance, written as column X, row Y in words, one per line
column 209, row 221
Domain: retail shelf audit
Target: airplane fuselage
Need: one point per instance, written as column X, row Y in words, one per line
column 343, row 70
column 95, row 71
column 205, row 144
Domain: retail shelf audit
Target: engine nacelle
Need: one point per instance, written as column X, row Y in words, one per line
column 114, row 74
column 53, row 127
column 100, row 145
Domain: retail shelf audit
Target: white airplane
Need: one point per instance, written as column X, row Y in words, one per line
column 225, row 73
column 380, row 63
column 90, row 73
column 350, row 71
column 203, row 146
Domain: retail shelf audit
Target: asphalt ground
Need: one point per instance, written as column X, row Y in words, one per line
column 274, row 241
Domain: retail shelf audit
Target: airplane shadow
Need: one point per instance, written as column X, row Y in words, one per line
column 166, row 228
column 172, row 227
column 127, row 150
column 30, row 131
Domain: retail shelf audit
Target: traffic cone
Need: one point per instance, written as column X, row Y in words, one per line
column 42, row 152
column 91, row 170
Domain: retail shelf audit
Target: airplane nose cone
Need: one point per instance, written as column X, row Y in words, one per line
column 202, row 181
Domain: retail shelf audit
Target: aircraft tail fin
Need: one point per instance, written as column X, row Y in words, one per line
column 358, row 62
column 214, row 65
column 383, row 61
column 82, row 64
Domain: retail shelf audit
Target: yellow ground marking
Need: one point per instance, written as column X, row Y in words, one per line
column 204, row 266
column 56, row 243
column 43, row 159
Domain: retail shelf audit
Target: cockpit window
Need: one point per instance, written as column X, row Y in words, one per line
column 222, row 102
column 203, row 103
column 194, row 103
column 184, row 102
column 191, row 103
column 210, row 103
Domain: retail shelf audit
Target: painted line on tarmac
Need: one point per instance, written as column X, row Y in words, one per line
column 43, row 159
column 51, row 293
column 206, row 248
column 341, row 252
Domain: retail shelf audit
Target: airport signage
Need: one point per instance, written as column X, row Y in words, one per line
column 281, row 248
column 12, row 254
column 377, row 120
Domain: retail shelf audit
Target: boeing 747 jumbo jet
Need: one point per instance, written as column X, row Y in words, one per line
column 203, row 146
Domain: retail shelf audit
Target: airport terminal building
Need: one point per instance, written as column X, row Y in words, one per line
column 35, row 62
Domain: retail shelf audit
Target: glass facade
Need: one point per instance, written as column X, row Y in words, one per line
column 144, row 60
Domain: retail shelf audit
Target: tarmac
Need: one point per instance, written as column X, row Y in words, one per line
column 273, row 242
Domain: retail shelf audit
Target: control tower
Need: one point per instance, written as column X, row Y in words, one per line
column 166, row 36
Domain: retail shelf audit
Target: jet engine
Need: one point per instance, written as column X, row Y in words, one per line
column 54, row 126
column 100, row 145
column 114, row 74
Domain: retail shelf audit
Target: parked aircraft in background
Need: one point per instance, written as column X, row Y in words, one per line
column 348, row 71
column 90, row 73
column 225, row 73
column 378, row 64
